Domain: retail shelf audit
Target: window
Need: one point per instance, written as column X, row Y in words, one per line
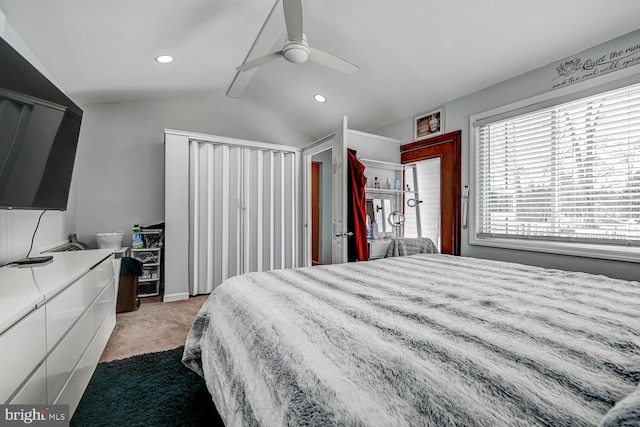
column 563, row 176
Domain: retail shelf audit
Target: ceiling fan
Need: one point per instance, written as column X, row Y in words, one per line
column 296, row 48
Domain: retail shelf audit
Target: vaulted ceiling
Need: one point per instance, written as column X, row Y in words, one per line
column 412, row 54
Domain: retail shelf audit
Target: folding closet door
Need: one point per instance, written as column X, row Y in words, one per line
column 242, row 212
column 269, row 212
column 212, row 234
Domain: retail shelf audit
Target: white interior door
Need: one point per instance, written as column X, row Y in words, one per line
column 338, row 187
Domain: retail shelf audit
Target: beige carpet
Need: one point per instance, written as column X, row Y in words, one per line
column 155, row 326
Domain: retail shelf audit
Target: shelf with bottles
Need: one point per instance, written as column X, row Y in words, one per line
column 147, row 245
column 392, row 185
column 385, row 178
column 149, row 274
column 384, row 191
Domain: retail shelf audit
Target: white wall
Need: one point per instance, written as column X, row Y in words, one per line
column 373, row 147
column 17, row 227
column 120, row 161
column 457, row 114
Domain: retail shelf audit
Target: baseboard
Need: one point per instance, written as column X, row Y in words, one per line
column 175, row 297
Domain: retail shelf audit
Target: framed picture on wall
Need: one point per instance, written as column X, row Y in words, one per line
column 429, row 124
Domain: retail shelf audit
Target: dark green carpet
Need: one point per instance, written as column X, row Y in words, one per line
column 153, row 389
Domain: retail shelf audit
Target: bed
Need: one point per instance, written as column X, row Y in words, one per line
column 427, row 339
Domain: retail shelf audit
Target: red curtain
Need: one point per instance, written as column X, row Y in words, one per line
column 358, row 247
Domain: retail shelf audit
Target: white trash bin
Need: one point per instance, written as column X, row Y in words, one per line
column 110, row 240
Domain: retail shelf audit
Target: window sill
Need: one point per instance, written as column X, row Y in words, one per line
column 612, row 252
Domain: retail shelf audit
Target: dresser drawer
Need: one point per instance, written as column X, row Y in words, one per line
column 22, row 348
column 378, row 249
column 105, row 302
column 34, row 392
column 66, row 308
column 103, row 273
column 63, row 360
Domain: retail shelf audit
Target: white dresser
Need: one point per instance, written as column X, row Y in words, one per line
column 55, row 321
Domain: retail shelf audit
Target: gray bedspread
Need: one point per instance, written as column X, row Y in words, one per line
column 411, row 246
column 422, row 340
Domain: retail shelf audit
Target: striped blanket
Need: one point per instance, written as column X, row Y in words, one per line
column 422, row 340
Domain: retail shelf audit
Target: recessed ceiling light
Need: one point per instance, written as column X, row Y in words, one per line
column 164, row 59
column 319, row 98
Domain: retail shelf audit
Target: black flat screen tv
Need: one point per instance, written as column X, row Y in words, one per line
column 39, row 129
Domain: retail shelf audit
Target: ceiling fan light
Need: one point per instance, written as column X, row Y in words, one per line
column 296, row 53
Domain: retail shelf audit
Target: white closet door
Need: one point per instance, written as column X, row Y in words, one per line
column 270, row 216
column 212, row 225
column 242, row 212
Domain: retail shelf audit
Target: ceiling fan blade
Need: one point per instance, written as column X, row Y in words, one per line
column 293, row 19
column 240, row 82
column 328, row 60
column 259, row 61
column 271, row 33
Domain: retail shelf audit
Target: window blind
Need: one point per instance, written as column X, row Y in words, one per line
column 570, row 172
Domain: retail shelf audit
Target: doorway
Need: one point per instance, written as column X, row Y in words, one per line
column 316, row 210
column 321, row 206
column 446, row 149
column 422, row 205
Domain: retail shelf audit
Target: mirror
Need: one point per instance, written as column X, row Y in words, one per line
column 396, row 220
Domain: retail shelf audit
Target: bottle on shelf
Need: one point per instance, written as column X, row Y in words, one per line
column 396, row 184
column 136, row 238
column 388, row 184
column 376, row 184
